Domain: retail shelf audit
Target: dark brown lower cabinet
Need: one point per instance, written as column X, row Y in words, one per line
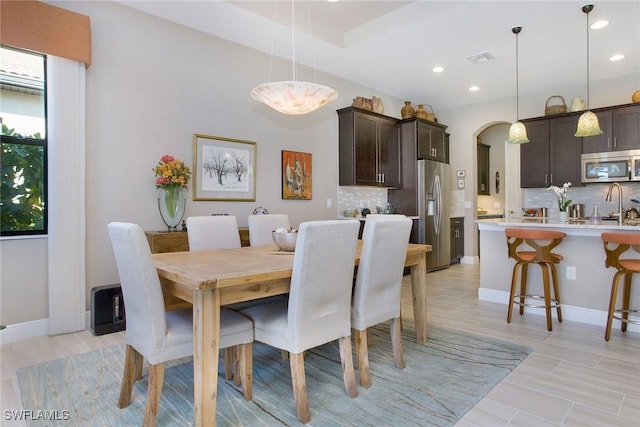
column 457, row 239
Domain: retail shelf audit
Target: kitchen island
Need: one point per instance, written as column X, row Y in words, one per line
column 585, row 282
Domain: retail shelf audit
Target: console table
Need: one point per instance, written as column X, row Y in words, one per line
column 177, row 241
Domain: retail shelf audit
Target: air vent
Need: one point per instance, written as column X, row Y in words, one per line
column 480, row 58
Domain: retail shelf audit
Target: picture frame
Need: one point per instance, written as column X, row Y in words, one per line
column 224, row 169
column 297, row 171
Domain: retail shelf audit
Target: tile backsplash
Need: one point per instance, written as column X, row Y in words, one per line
column 587, row 195
column 370, row 197
column 360, row 197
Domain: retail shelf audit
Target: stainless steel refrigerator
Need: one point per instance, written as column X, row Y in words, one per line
column 434, row 224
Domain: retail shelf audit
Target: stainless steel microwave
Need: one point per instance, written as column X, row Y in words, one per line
column 611, row 166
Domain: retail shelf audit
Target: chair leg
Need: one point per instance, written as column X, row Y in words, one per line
column 156, row 379
column 138, row 369
column 362, row 355
column 396, row 341
column 523, row 286
column 625, row 300
column 237, row 357
column 228, row 354
column 556, row 290
column 612, row 304
column 348, row 373
column 132, row 365
column 514, row 282
column 245, row 369
column 547, row 294
column 296, row 361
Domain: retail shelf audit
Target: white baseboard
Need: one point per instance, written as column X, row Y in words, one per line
column 569, row 312
column 31, row 329
column 469, row 260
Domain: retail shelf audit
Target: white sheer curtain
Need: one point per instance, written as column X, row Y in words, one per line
column 66, row 203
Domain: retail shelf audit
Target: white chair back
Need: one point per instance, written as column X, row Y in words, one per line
column 384, row 216
column 144, row 302
column 261, row 226
column 376, row 296
column 321, row 283
column 213, row 232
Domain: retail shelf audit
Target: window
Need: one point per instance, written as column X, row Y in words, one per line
column 23, row 159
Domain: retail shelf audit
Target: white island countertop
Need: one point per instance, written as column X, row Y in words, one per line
column 572, row 227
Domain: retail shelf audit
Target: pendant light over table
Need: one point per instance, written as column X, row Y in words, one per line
column 588, row 123
column 517, row 131
column 294, row 97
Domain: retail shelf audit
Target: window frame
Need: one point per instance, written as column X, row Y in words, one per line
column 30, row 140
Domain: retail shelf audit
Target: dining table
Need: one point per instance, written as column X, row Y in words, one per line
column 209, row 279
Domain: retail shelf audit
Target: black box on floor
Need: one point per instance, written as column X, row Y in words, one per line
column 107, row 310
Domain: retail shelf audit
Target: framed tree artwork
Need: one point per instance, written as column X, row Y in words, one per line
column 296, row 175
column 224, row 169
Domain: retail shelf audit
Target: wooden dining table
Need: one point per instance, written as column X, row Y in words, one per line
column 212, row 278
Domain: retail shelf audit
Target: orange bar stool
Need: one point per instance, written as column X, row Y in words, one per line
column 615, row 244
column 542, row 242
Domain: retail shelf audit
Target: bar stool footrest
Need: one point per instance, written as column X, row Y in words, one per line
column 620, row 312
column 516, row 300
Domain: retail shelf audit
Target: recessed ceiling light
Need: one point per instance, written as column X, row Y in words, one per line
column 438, row 69
column 616, row 57
column 599, row 25
column 480, row 58
column 474, row 89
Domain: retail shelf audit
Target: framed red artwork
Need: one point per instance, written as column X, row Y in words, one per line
column 296, row 175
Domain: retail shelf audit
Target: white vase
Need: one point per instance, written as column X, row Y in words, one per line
column 562, row 216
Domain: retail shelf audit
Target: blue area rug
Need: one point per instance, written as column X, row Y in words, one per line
column 442, row 381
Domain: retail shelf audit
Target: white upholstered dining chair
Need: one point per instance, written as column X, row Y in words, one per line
column 376, row 296
column 158, row 335
column 261, row 226
column 213, row 232
column 318, row 308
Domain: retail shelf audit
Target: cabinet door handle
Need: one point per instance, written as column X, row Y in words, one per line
column 545, row 179
column 615, row 142
column 551, row 178
column 608, row 142
column 382, row 177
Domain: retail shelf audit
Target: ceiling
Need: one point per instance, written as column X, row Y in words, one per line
column 393, row 45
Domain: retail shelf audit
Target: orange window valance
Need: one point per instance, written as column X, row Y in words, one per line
column 43, row 28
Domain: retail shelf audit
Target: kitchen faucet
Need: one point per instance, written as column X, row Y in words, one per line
column 608, row 199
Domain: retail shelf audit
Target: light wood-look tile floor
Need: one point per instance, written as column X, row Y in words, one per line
column 572, row 378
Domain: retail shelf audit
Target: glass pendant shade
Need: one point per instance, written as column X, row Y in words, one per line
column 517, row 134
column 294, row 97
column 588, row 125
column 588, row 122
column 517, row 131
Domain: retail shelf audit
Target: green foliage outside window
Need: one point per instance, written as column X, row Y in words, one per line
column 23, row 188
